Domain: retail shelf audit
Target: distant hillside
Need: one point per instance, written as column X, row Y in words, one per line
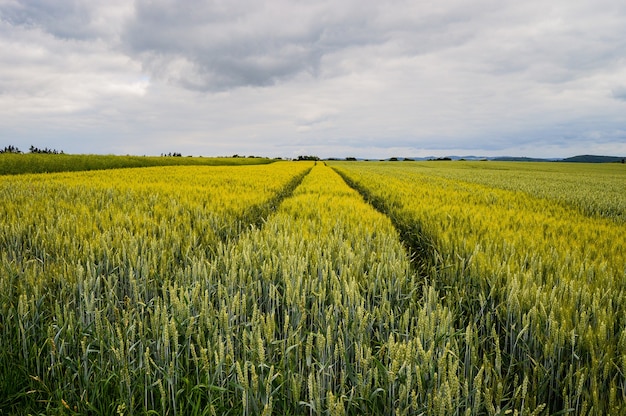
column 580, row 158
column 594, row 159
column 520, row 159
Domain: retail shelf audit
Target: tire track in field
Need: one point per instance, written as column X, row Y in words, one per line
column 257, row 215
column 421, row 247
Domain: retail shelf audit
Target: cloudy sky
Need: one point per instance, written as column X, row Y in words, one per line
column 364, row 78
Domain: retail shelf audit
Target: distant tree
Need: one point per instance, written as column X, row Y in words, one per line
column 308, row 158
column 393, row 159
column 10, row 149
column 351, row 159
column 33, row 149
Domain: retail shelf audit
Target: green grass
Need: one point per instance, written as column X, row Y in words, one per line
column 12, row 164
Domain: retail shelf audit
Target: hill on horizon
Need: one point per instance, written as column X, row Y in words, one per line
column 594, row 159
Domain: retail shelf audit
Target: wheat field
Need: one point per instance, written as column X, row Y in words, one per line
column 314, row 288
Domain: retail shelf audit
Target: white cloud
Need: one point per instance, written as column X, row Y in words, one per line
column 359, row 78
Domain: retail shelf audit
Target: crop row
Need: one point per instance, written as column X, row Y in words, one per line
column 540, row 280
column 75, row 246
column 593, row 189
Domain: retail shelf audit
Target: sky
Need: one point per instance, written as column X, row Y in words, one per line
column 340, row 78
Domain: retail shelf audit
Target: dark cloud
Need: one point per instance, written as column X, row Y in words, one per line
column 216, row 46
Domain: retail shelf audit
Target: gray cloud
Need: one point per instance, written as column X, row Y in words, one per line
column 619, row 93
column 67, row 19
column 210, row 46
column 361, row 78
column 250, row 43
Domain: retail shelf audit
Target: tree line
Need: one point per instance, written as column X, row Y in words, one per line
column 32, row 149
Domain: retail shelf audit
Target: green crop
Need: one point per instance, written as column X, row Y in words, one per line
column 539, row 285
column 278, row 289
column 11, row 163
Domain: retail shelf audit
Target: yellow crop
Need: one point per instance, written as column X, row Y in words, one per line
column 277, row 289
column 550, row 280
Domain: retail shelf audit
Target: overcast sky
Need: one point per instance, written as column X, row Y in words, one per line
column 363, row 78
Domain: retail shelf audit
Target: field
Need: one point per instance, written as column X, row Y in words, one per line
column 12, row 163
column 439, row 288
